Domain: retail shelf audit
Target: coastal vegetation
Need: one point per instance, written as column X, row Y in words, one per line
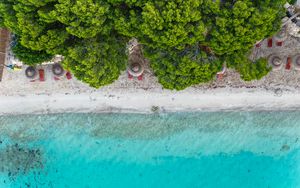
column 186, row 41
column 27, row 55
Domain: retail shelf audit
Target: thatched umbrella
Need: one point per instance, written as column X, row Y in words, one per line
column 282, row 34
column 30, row 72
column 135, row 69
column 275, row 62
column 57, row 69
column 297, row 62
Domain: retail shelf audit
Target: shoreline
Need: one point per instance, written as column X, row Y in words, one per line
column 277, row 91
column 151, row 101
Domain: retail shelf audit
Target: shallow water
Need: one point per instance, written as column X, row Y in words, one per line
column 208, row 149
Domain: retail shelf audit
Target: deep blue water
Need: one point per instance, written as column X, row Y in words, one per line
column 208, row 149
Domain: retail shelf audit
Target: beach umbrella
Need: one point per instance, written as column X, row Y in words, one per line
column 30, row 72
column 135, row 69
column 282, row 34
column 57, row 69
column 275, row 62
column 297, row 62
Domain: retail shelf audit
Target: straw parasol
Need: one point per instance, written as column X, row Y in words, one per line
column 282, row 34
column 297, row 62
column 275, row 62
column 57, row 69
column 30, row 72
column 135, row 69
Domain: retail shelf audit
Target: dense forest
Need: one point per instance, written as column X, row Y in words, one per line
column 186, row 41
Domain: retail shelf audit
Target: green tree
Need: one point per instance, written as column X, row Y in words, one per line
column 79, row 30
column 81, row 18
column 181, row 69
column 236, row 25
column 163, row 24
column 28, row 56
column 171, row 32
column 97, row 61
column 249, row 70
column 22, row 18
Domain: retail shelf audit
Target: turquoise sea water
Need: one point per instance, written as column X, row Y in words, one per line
column 208, row 149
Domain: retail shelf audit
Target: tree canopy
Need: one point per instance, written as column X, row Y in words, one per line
column 235, row 27
column 97, row 61
column 185, row 40
column 29, row 56
column 178, row 69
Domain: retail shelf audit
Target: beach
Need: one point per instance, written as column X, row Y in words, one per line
column 278, row 90
column 146, row 102
column 126, row 95
column 88, row 94
column 251, row 135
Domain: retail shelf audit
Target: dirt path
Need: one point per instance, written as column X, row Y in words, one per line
column 4, row 36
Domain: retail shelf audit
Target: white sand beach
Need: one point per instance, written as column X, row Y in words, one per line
column 278, row 90
column 20, row 96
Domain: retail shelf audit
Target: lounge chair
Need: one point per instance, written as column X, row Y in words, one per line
column 279, row 43
column 140, row 77
column 270, row 42
column 129, row 75
column 42, row 75
column 68, row 75
column 289, row 63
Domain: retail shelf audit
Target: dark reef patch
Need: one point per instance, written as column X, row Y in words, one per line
column 15, row 160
